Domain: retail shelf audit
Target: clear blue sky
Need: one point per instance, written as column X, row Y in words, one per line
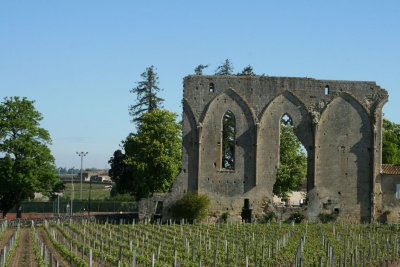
column 79, row 59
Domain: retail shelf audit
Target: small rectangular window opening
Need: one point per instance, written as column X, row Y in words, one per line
column 327, row 90
column 211, row 88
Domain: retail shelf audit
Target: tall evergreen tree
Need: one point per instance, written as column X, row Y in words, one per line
column 152, row 155
column 225, row 69
column 146, row 94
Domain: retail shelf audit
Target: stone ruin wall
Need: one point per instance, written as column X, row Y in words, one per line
column 338, row 122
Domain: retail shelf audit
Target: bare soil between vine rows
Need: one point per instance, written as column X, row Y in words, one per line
column 24, row 255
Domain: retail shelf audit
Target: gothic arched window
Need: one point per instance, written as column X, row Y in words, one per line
column 228, row 140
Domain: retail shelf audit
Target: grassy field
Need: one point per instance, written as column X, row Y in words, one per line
column 98, row 191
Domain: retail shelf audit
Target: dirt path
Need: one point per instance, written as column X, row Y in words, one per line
column 56, row 256
column 5, row 237
column 23, row 256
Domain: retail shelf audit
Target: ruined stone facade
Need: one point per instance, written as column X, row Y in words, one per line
column 338, row 122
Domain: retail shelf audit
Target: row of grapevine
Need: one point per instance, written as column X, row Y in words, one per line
column 64, row 248
column 3, row 228
column 7, row 251
column 43, row 254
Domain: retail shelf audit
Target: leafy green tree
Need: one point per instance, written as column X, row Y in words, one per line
column 120, row 173
column 26, row 163
column 146, row 94
column 247, row 71
column 58, row 188
column 292, row 163
column 390, row 142
column 199, row 69
column 154, row 153
column 225, row 69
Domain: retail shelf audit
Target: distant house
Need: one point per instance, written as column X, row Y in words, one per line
column 390, row 186
column 100, row 178
column 97, row 176
column 295, row 198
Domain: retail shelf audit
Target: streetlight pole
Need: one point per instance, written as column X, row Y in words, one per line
column 81, row 154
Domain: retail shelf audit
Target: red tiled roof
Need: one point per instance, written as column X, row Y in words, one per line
column 390, row 169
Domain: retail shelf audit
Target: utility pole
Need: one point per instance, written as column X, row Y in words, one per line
column 73, row 193
column 90, row 192
column 81, row 154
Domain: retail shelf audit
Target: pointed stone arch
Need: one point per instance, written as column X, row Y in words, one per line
column 235, row 96
column 214, row 180
column 345, row 142
column 268, row 136
column 287, row 94
column 288, row 103
column 350, row 98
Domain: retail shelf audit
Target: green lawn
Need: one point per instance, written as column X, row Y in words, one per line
column 98, row 191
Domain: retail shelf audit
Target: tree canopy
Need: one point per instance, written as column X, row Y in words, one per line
column 390, row 142
column 121, row 174
column 199, row 69
column 26, row 163
column 247, row 71
column 146, row 94
column 292, row 162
